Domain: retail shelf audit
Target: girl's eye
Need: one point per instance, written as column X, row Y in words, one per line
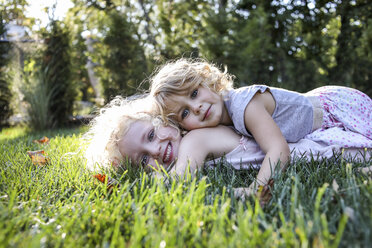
column 144, row 160
column 194, row 94
column 184, row 114
column 151, row 135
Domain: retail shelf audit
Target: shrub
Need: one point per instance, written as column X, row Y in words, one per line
column 124, row 66
column 5, row 93
column 38, row 96
column 56, row 71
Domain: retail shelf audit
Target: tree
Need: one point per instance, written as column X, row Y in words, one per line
column 218, row 21
column 293, row 44
column 14, row 11
column 79, row 59
column 180, row 26
column 123, row 68
column 256, row 50
column 56, row 69
column 353, row 56
column 5, row 92
column 117, row 50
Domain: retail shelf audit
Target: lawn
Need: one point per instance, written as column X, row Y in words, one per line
column 326, row 203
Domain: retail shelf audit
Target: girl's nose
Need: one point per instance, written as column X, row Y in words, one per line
column 196, row 108
column 154, row 150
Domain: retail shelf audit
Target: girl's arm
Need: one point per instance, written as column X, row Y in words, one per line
column 199, row 143
column 260, row 124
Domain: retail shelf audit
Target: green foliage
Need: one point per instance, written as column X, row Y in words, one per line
column 181, row 27
column 315, row 203
column 255, row 62
column 353, row 55
column 38, row 95
column 5, row 92
column 79, row 73
column 297, row 45
column 14, row 11
column 123, row 62
column 218, row 21
column 56, row 68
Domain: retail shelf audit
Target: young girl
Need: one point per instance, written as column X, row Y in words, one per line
column 197, row 94
column 127, row 129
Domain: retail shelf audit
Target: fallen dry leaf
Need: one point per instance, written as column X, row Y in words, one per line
column 43, row 140
column 110, row 181
column 39, row 157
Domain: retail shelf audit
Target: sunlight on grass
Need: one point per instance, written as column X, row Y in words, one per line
column 11, row 133
column 320, row 204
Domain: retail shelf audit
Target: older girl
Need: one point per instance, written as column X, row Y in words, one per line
column 197, row 94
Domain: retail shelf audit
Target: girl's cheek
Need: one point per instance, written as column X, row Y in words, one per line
column 190, row 125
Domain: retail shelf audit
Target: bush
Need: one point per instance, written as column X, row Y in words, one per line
column 124, row 66
column 56, row 71
column 39, row 96
column 5, row 93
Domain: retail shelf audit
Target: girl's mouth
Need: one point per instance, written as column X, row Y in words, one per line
column 168, row 153
column 207, row 113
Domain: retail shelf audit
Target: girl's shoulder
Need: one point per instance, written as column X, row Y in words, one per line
column 237, row 99
column 249, row 88
column 207, row 138
column 198, row 144
column 193, row 140
column 245, row 91
column 199, row 135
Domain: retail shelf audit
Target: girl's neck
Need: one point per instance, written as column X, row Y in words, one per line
column 225, row 117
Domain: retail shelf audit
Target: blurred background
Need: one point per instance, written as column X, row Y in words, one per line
column 61, row 59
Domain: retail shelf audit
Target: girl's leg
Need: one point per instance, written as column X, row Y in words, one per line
column 347, row 117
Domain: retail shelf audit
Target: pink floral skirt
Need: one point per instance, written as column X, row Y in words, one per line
column 347, row 118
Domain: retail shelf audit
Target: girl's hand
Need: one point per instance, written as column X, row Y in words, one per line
column 243, row 193
column 262, row 192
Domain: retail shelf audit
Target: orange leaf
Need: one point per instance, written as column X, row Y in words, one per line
column 110, row 181
column 264, row 192
column 43, row 140
column 38, row 157
column 100, row 177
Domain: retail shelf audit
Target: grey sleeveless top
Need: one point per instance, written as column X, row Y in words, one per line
column 293, row 111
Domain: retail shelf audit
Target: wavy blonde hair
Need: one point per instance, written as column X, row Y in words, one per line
column 180, row 76
column 106, row 129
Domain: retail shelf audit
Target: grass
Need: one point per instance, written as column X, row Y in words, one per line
column 319, row 204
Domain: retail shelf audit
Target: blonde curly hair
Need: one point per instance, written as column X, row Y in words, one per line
column 182, row 75
column 106, row 129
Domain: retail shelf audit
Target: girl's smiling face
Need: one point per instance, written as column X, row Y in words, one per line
column 197, row 108
column 144, row 144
